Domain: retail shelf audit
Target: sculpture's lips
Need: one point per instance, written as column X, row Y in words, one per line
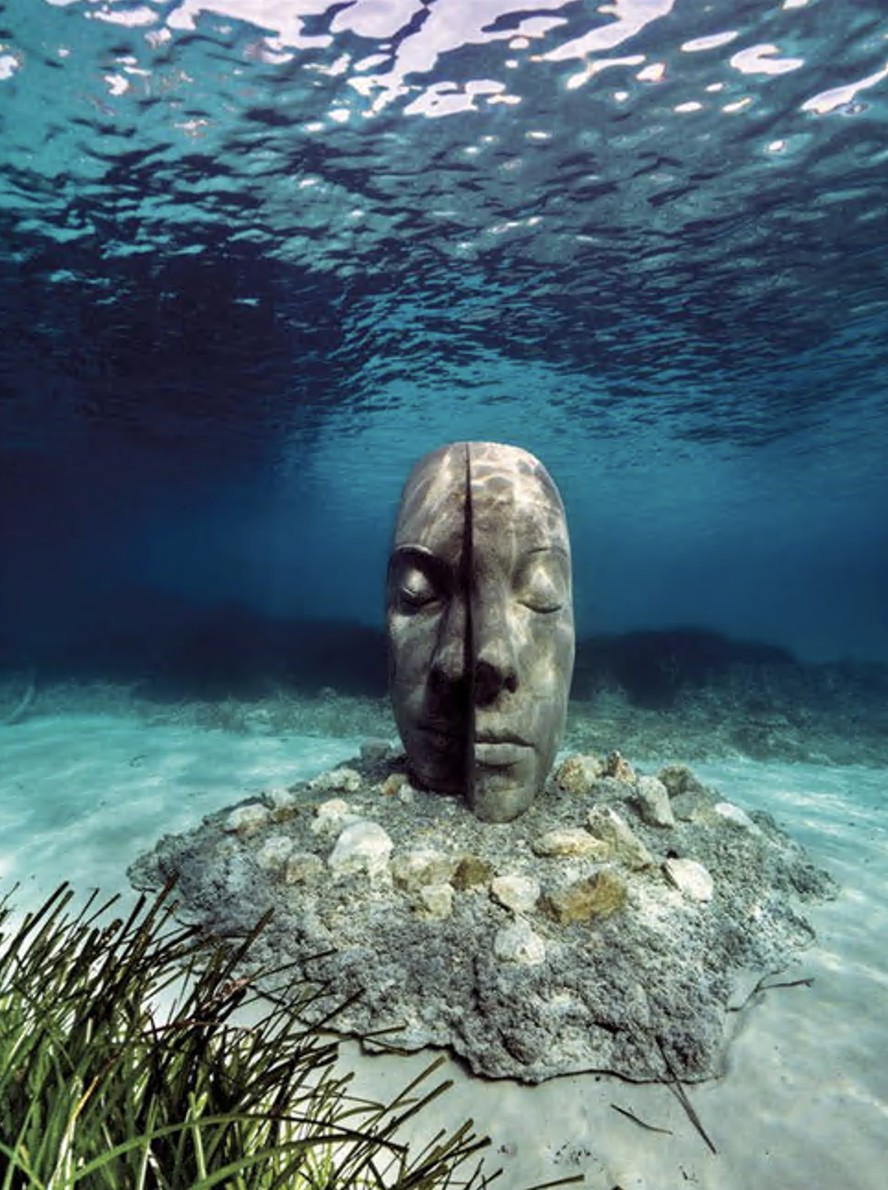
column 500, row 750
column 501, row 737
column 492, row 749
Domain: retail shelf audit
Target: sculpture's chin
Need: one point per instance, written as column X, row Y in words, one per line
column 500, row 795
column 440, row 774
column 436, row 757
column 445, row 784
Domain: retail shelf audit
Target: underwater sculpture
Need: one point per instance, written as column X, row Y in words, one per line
column 480, row 625
column 614, row 927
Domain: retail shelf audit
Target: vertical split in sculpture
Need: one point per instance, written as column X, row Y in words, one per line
column 480, row 625
column 466, row 585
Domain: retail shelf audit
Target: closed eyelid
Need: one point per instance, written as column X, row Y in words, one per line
column 542, row 580
column 554, row 551
column 550, row 559
column 430, row 569
column 421, row 557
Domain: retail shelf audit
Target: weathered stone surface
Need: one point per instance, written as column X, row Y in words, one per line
column 678, row 778
column 471, row 872
column 362, row 847
column 606, row 824
column 342, row 780
column 516, row 892
column 577, row 774
column 571, row 840
column 596, row 896
column 413, row 869
column 517, row 943
column 690, row 878
column 394, row 783
column 247, row 819
column 624, row 965
column 692, row 806
column 436, row 901
column 332, row 816
column 733, row 814
column 303, row 867
column 608, row 791
column 619, row 768
column 274, row 853
column 651, row 799
column 281, row 802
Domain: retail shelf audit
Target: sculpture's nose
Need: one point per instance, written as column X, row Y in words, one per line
column 496, row 666
column 449, row 664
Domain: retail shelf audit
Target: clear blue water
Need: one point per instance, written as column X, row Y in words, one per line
column 256, row 257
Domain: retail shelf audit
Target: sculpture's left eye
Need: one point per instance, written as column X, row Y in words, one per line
column 418, row 579
column 415, row 588
column 542, row 583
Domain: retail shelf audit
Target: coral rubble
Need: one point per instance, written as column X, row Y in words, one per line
column 606, row 929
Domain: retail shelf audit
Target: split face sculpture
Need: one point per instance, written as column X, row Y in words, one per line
column 480, row 625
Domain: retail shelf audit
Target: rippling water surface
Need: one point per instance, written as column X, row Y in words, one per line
column 256, row 256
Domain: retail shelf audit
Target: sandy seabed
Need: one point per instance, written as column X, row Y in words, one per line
column 804, row 1103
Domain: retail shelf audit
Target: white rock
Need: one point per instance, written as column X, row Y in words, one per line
column 436, row 901
column 336, row 807
column 517, row 943
column 570, row 840
column 606, row 824
column 362, row 847
column 652, row 799
column 516, row 892
column 690, row 878
column 280, row 799
column 246, row 820
column 735, row 815
column 333, row 816
column 342, row 780
column 274, row 852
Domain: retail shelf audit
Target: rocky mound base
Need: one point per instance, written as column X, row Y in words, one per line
column 606, row 929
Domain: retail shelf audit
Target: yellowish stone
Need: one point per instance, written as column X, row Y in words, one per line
column 598, row 896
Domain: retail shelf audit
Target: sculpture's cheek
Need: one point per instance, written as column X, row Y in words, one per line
column 412, row 642
column 546, row 650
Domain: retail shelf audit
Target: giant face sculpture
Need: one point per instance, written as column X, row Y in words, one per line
column 480, row 625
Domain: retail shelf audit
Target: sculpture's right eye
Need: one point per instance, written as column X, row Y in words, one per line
column 416, row 589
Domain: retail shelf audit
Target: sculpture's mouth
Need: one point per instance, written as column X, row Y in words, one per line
column 497, row 749
column 500, row 756
column 500, row 749
column 502, row 737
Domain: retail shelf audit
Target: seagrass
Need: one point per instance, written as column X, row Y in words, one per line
column 100, row 1087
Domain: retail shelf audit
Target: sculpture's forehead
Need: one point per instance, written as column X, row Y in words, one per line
column 433, row 505
column 511, row 492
